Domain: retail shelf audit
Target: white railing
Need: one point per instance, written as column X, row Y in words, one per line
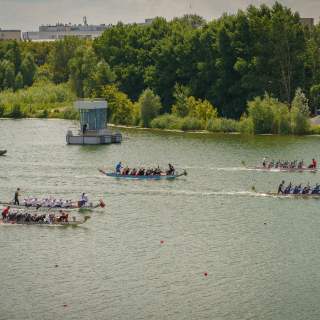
column 90, row 99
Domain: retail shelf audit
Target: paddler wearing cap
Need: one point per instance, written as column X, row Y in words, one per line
column 264, row 161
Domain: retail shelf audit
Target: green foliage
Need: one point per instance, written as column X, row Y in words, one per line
column 18, row 83
column 28, row 69
column 149, row 106
column 222, row 125
column 69, row 113
column 173, row 122
column 193, row 21
column 300, row 113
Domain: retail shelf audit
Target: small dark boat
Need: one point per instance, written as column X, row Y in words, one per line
column 3, row 151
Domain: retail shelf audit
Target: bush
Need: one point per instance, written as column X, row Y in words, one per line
column 69, row 113
column 222, row 125
column 173, row 122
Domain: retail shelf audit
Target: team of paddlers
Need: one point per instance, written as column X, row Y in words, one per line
column 48, row 201
column 297, row 189
column 144, row 172
column 287, row 164
column 26, row 217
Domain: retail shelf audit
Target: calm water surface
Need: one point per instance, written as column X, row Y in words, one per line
column 115, row 266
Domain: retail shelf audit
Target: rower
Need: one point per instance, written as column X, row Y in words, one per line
column 315, row 190
column 306, row 189
column 171, row 169
column 297, row 189
column 287, row 189
column 280, row 189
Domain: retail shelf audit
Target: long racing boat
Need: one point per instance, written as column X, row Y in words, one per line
column 45, row 223
column 21, row 206
column 157, row 176
column 288, row 195
column 279, row 168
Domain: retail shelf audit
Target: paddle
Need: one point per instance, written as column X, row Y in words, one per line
column 244, row 164
column 101, row 171
column 254, row 189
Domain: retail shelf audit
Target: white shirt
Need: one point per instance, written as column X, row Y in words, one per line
column 66, row 203
column 85, row 197
column 264, row 160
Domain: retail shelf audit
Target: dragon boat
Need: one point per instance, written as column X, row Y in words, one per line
column 280, row 168
column 82, row 208
column 156, row 176
column 288, row 195
column 44, row 223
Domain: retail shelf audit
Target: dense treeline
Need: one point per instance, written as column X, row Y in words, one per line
column 186, row 68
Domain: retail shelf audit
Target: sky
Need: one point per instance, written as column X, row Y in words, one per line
column 28, row 15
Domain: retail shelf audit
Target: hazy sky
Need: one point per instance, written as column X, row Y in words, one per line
column 28, row 15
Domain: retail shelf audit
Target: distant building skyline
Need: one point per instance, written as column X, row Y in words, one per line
column 28, row 15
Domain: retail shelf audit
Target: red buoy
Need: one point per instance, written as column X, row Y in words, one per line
column 64, row 305
column 55, row 265
column 265, row 223
column 205, row 274
column 161, row 241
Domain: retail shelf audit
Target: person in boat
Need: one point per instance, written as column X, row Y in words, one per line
column 84, row 198
column 5, row 212
column 287, row 189
column 297, row 189
column 16, row 195
column 63, row 216
column 315, row 190
column 306, row 189
column 264, row 161
column 53, row 203
column 118, row 167
column 133, row 172
column 314, row 164
column 58, row 202
column 171, row 169
column 280, row 189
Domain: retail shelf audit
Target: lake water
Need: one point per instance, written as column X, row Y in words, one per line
column 115, row 266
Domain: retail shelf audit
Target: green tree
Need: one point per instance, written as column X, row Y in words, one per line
column 18, row 83
column 300, row 113
column 193, row 21
column 9, row 77
column 28, row 69
column 149, row 106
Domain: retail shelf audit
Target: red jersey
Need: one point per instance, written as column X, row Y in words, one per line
column 6, row 210
column 314, row 163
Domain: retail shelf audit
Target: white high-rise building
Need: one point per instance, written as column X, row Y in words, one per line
column 60, row 30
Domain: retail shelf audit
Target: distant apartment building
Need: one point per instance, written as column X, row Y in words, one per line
column 60, row 30
column 310, row 23
column 10, row 34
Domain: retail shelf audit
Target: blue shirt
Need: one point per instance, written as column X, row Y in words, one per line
column 118, row 166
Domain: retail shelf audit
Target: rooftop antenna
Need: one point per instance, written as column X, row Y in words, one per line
column 85, row 20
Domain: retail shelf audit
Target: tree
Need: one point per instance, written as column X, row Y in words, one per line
column 193, row 21
column 300, row 113
column 18, row 84
column 149, row 106
column 28, row 69
column 9, row 80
